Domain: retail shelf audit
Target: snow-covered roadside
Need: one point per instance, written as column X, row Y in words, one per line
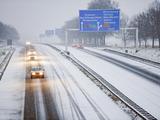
column 138, row 89
column 79, row 88
column 152, row 54
column 12, row 88
column 128, row 61
column 149, row 53
column 3, row 53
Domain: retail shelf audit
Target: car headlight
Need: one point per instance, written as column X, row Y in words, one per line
column 35, row 57
column 28, row 43
column 29, row 53
column 28, row 58
column 34, row 52
column 41, row 73
column 33, row 73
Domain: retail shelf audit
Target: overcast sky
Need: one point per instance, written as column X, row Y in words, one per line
column 32, row 17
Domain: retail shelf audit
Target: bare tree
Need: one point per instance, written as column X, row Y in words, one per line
column 103, row 4
column 124, row 20
column 8, row 32
column 151, row 22
column 155, row 15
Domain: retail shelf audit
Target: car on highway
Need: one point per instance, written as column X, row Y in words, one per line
column 78, row 45
column 37, row 72
column 31, row 55
column 31, row 52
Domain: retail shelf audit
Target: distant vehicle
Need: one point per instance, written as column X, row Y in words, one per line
column 37, row 72
column 31, row 52
column 28, row 43
column 74, row 45
column 78, row 45
column 31, row 55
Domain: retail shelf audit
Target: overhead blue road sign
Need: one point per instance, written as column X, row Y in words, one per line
column 99, row 20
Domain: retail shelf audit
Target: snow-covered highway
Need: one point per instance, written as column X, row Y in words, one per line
column 142, row 91
column 12, row 88
column 76, row 96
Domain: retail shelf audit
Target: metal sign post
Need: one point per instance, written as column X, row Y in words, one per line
column 133, row 28
column 66, row 37
column 137, row 37
column 66, row 40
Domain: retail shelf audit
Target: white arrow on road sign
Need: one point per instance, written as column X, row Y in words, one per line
column 82, row 26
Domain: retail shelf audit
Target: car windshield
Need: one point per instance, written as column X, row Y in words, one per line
column 36, row 68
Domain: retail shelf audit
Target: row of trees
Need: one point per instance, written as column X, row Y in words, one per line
column 148, row 24
column 8, row 32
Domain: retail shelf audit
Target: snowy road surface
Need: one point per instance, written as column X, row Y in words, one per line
column 76, row 96
column 129, row 61
column 141, row 91
column 12, row 89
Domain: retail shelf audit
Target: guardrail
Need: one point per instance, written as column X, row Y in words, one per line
column 146, row 61
column 137, row 70
column 5, row 62
column 104, row 84
column 132, row 105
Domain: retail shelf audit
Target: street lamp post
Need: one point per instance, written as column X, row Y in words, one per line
column 132, row 28
column 66, row 37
